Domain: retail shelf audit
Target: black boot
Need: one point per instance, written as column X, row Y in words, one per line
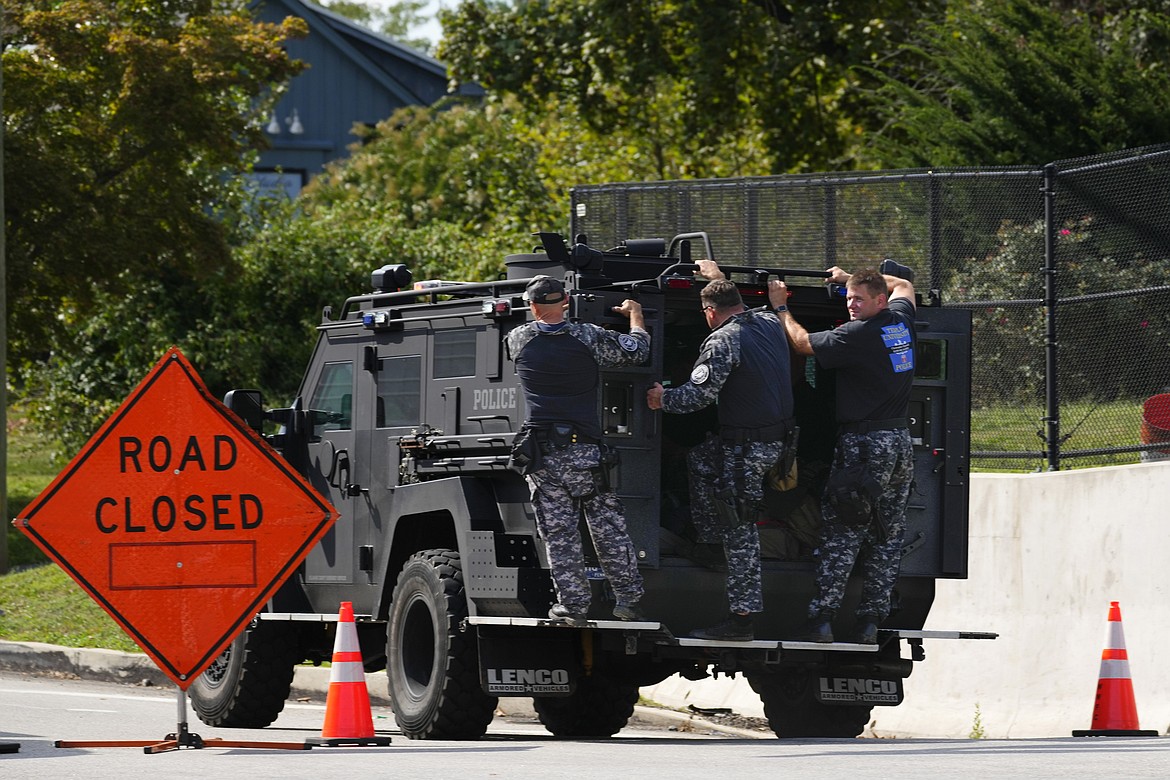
column 819, row 628
column 865, row 630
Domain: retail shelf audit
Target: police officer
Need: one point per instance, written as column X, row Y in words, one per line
column 743, row 364
column 558, row 363
column 873, row 355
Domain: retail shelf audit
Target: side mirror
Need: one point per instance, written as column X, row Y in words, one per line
column 248, row 406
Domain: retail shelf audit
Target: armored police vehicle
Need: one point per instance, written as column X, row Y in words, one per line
column 405, row 420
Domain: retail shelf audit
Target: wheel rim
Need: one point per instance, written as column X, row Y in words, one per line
column 214, row 675
column 418, row 647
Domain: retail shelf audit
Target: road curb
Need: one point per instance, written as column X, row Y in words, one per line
column 86, row 663
column 309, row 682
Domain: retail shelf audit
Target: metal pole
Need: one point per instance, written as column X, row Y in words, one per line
column 830, row 228
column 1051, row 378
column 3, row 331
column 934, row 212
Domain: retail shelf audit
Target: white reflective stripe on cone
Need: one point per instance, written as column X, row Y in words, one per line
column 1114, row 669
column 347, row 640
column 347, row 672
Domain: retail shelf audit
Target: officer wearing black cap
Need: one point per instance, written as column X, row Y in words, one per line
column 558, row 364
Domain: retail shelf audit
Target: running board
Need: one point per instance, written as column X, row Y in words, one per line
column 761, row 644
column 648, row 625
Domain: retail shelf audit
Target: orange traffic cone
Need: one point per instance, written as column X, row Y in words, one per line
column 1115, row 712
column 348, row 719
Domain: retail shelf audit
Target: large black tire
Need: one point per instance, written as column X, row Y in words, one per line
column 433, row 666
column 599, row 707
column 792, row 709
column 247, row 685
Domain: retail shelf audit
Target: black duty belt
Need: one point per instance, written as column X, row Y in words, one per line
column 865, row 426
column 545, row 435
column 775, row 432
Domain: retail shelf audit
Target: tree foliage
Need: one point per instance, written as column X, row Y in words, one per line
column 1011, row 82
column 693, row 75
column 474, row 166
column 121, row 120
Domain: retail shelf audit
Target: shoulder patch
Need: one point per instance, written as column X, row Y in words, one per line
column 700, row 374
column 628, row 342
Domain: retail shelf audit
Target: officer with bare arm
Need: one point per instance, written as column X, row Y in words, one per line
column 743, row 365
column 559, row 448
column 869, row 484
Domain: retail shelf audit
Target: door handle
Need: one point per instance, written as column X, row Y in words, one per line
column 338, row 477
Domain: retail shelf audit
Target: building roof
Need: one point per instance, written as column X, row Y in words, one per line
column 380, row 56
column 355, row 76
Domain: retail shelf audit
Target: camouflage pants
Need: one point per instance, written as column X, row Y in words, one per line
column 844, row 548
column 563, row 489
column 711, row 465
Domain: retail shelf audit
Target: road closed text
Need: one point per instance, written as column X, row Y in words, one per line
column 193, row 511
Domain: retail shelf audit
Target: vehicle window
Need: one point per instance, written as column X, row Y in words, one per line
column 398, row 391
column 454, row 353
column 334, row 393
column 931, row 360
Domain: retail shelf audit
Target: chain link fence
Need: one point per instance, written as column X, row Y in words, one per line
column 1065, row 268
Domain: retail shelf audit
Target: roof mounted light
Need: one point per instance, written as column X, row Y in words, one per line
column 379, row 319
column 495, row 308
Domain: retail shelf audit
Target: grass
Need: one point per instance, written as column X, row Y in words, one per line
column 1083, row 426
column 40, row 602
column 31, row 467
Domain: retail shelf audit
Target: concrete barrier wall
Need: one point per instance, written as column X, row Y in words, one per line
column 1048, row 553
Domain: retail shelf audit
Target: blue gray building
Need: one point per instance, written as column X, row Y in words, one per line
column 354, row 77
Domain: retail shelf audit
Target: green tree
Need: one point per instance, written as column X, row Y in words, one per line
column 693, row 75
column 475, row 166
column 1010, row 82
column 123, row 121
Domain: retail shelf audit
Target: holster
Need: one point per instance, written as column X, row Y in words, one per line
column 854, row 493
column 526, row 455
column 782, row 475
column 603, row 474
column 732, row 513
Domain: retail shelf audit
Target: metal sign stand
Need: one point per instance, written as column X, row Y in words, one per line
column 182, row 738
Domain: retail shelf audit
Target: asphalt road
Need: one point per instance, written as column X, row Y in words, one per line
column 35, row 712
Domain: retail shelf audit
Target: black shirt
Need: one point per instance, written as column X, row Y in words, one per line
column 874, row 360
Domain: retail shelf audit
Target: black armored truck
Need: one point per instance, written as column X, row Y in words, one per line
column 405, row 420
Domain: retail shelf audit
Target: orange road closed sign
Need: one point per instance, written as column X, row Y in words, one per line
column 178, row 520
